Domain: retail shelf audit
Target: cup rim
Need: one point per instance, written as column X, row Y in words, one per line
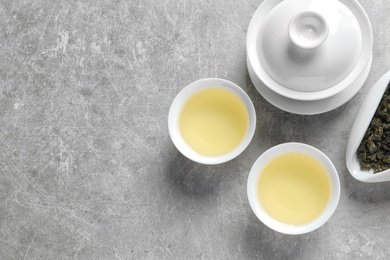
column 182, row 97
column 255, row 173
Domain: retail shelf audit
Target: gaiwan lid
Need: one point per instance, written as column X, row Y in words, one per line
column 313, row 46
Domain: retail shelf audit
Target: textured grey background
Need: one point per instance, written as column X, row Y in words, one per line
column 87, row 168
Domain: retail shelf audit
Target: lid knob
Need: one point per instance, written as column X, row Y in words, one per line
column 308, row 30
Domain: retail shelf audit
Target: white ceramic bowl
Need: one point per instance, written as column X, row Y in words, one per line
column 256, row 171
column 181, row 99
column 297, row 48
column 359, row 128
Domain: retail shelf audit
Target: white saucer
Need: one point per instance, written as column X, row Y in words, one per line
column 309, row 107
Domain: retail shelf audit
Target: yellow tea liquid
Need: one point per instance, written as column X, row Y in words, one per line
column 214, row 121
column 294, row 188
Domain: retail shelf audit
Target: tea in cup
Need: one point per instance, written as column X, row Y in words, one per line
column 293, row 188
column 211, row 121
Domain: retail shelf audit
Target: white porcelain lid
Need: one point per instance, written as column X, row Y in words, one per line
column 309, row 45
column 254, row 50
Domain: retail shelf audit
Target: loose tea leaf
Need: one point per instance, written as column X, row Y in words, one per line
column 374, row 150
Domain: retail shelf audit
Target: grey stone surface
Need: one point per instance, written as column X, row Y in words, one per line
column 87, row 168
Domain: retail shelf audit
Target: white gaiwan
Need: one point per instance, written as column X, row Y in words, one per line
column 309, row 56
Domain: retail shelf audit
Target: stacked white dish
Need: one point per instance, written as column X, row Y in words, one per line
column 309, row 56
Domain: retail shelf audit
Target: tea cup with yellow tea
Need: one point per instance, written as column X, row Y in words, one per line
column 211, row 121
column 293, row 188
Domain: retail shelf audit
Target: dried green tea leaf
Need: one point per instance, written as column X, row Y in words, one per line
column 371, row 146
column 374, row 149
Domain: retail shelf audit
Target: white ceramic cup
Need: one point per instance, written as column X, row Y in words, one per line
column 182, row 98
column 256, row 171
